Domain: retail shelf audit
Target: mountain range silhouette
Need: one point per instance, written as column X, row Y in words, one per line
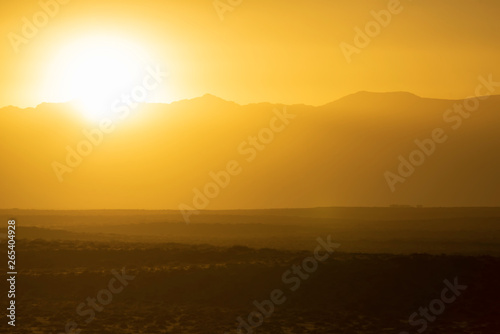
column 335, row 154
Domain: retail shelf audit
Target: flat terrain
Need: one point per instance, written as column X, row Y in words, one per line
column 466, row 231
column 204, row 289
column 206, row 277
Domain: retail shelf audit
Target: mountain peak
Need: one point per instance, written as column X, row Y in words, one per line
column 205, row 100
column 211, row 98
column 375, row 99
column 394, row 95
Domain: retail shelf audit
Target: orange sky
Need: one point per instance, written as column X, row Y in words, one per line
column 275, row 51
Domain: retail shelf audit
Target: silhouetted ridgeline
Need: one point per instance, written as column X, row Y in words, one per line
column 332, row 155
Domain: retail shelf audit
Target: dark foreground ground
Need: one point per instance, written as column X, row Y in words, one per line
column 255, row 270
column 204, row 289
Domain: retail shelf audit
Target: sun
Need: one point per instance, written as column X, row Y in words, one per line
column 97, row 70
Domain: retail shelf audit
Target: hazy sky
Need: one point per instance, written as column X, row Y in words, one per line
column 275, row 51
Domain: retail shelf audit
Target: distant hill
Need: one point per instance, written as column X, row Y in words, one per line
column 330, row 155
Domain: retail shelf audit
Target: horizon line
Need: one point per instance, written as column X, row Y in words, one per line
column 265, row 102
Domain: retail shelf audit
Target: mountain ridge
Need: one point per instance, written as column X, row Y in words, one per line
column 216, row 99
column 334, row 155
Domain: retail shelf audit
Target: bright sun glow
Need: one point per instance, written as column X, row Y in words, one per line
column 96, row 71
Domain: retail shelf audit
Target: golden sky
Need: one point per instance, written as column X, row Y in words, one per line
column 275, row 51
